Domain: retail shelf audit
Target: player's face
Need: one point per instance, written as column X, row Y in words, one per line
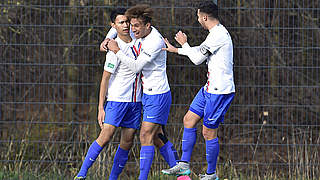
column 139, row 29
column 201, row 18
column 121, row 24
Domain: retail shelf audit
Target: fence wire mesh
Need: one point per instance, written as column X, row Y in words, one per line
column 50, row 70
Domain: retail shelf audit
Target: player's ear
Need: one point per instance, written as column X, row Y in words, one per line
column 148, row 25
column 112, row 24
column 205, row 17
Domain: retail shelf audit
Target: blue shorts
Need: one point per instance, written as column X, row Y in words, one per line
column 123, row 114
column 211, row 107
column 156, row 108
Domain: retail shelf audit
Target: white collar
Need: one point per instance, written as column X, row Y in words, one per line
column 214, row 27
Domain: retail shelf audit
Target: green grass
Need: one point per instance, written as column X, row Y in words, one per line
column 154, row 176
column 46, row 176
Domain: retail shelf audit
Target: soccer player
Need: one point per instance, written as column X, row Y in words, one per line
column 122, row 88
column 156, row 97
column 166, row 148
column 213, row 100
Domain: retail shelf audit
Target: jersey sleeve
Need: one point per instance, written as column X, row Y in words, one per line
column 148, row 53
column 151, row 50
column 200, row 53
column 112, row 33
column 111, row 62
column 196, row 54
column 134, row 65
column 212, row 44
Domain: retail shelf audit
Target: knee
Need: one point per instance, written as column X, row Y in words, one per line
column 127, row 136
column 208, row 135
column 145, row 137
column 187, row 122
column 126, row 145
column 102, row 140
column 205, row 135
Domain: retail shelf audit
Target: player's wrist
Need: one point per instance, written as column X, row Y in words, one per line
column 175, row 50
column 100, row 108
column 185, row 45
column 116, row 50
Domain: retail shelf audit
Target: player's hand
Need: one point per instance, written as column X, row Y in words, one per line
column 181, row 38
column 103, row 45
column 170, row 47
column 101, row 116
column 113, row 46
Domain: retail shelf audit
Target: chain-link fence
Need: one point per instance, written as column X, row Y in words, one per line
column 51, row 67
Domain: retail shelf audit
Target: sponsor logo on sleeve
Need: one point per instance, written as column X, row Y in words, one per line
column 110, row 65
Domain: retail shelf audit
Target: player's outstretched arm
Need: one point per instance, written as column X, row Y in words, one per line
column 194, row 53
column 170, row 47
column 181, row 38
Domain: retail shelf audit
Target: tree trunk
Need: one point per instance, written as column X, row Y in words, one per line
column 71, row 71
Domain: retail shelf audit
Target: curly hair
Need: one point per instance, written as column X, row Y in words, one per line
column 143, row 12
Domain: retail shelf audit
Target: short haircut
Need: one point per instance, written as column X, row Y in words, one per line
column 114, row 13
column 143, row 12
column 210, row 8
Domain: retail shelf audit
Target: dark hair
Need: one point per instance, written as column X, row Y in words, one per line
column 210, row 8
column 143, row 12
column 114, row 13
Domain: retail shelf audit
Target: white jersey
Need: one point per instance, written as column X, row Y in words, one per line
column 217, row 49
column 152, row 62
column 124, row 85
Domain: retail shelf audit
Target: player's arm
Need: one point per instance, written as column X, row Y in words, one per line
column 110, row 67
column 102, row 95
column 211, row 45
column 135, row 65
column 110, row 35
column 196, row 54
column 193, row 53
column 147, row 55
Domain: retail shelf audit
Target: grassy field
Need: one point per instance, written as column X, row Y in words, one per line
column 46, row 176
column 301, row 163
column 226, row 174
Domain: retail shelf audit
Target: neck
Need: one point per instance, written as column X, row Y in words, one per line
column 125, row 38
column 212, row 24
column 149, row 31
